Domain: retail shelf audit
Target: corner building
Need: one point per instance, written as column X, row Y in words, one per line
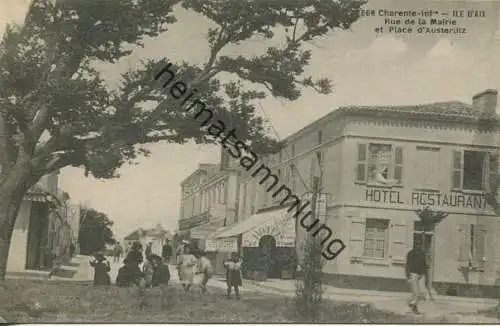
column 208, row 203
column 379, row 166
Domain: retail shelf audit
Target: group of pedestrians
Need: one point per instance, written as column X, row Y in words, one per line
column 190, row 262
column 154, row 271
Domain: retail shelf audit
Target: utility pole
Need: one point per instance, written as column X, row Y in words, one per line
column 317, row 187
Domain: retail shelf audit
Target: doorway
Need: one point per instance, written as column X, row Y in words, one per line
column 267, row 244
column 37, row 236
column 423, row 238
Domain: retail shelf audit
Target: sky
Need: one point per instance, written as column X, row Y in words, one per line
column 367, row 68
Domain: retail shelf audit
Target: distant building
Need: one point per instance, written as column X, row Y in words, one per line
column 43, row 230
column 157, row 236
column 208, row 203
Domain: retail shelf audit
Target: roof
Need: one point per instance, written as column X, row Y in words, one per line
column 202, row 167
column 158, row 230
column 449, row 111
column 133, row 236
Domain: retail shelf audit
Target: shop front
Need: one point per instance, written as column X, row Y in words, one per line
column 267, row 244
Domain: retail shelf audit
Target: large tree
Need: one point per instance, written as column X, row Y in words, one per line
column 56, row 110
column 95, row 231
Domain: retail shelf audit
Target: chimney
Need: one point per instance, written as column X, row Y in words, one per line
column 486, row 102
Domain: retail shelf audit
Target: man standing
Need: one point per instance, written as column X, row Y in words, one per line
column 416, row 268
column 118, row 252
column 166, row 252
column 149, row 249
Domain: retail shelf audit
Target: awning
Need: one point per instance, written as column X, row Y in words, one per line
column 204, row 230
column 277, row 223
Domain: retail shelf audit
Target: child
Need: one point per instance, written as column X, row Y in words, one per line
column 205, row 268
column 161, row 273
column 147, row 269
column 233, row 275
column 101, row 270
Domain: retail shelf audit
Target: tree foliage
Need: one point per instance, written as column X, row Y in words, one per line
column 95, row 231
column 49, row 86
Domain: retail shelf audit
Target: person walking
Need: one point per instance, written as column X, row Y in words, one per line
column 233, row 275
column 187, row 269
column 179, row 251
column 147, row 270
column 205, row 268
column 166, row 252
column 416, row 268
column 101, row 270
column 149, row 249
column 134, row 256
column 118, row 252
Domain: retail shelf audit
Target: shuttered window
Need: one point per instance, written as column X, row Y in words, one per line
column 492, row 175
column 399, row 242
column 314, row 168
column 361, row 165
column 398, row 164
column 472, row 243
column 375, row 243
column 479, row 248
column 457, row 170
column 356, row 235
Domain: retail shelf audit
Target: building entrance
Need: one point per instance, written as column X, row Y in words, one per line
column 269, row 252
column 423, row 238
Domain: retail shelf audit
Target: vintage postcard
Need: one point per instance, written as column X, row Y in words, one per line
column 238, row 161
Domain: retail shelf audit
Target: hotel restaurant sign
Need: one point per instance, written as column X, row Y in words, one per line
column 426, row 198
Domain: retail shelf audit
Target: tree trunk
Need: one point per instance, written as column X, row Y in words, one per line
column 9, row 207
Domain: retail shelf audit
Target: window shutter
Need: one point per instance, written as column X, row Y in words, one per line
column 464, row 248
column 356, row 236
column 457, row 170
column 480, row 244
column 492, row 174
column 398, row 242
column 313, row 170
column 361, row 166
column 398, row 164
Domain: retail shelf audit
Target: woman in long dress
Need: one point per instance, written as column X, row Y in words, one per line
column 186, row 269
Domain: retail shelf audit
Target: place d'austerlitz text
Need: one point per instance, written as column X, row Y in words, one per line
column 423, row 21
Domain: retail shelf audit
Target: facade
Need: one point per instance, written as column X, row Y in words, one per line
column 378, row 167
column 157, row 236
column 42, row 232
column 208, row 203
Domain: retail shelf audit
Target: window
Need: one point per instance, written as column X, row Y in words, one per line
column 280, row 156
column 473, row 170
column 320, row 159
column 223, row 192
column 244, row 196
column 426, row 167
column 320, row 137
column 379, row 163
column 281, row 194
column 472, row 244
column 293, row 150
column 376, row 233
